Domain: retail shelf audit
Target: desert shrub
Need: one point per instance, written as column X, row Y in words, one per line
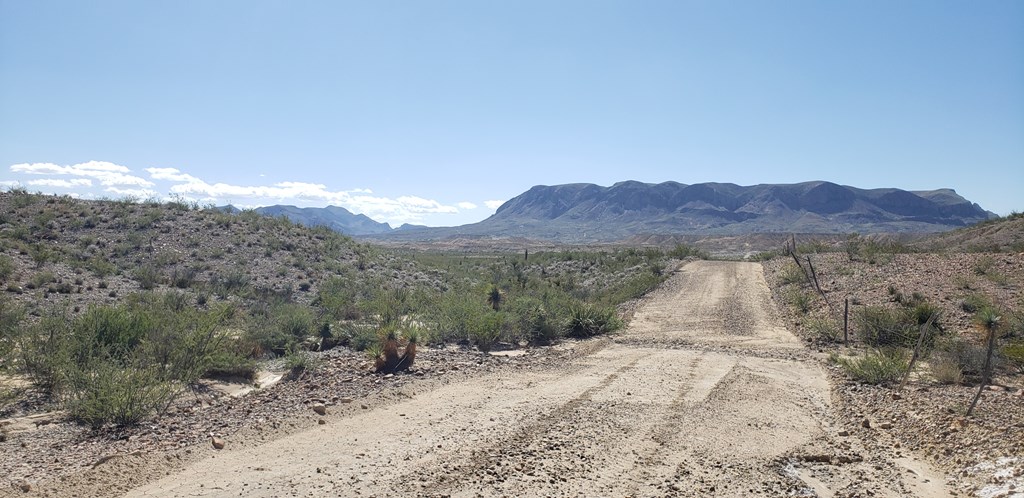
column 101, row 267
column 337, row 297
column 876, row 367
column 486, row 330
column 972, row 303
column 183, row 278
column 355, row 336
column 792, row 274
column 456, row 315
column 299, row 362
column 631, row 288
column 11, row 315
column 945, row 369
column 587, row 321
column 6, row 267
column 984, row 265
column 226, row 362
column 120, row 363
column 231, row 282
column 967, row 354
column 1014, row 354
column 147, row 276
column 388, row 306
column 881, row 326
column 823, row 329
column 118, row 328
column 799, row 300
column 283, row 327
column 683, row 251
column 40, row 279
column 106, row 391
column 533, row 321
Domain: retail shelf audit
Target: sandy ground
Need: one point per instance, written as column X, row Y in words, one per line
column 706, row 394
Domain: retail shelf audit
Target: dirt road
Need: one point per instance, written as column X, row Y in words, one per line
column 705, row 394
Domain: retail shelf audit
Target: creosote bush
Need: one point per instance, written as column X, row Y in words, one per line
column 120, row 364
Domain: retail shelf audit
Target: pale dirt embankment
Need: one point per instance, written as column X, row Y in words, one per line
column 706, row 394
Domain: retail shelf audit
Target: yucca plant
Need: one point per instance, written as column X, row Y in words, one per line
column 988, row 320
column 391, row 358
column 376, row 353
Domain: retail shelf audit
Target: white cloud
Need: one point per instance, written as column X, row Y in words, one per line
column 401, row 210
column 138, row 193
column 108, row 174
column 170, row 174
column 119, row 181
column 10, row 183
column 55, row 182
column 493, row 204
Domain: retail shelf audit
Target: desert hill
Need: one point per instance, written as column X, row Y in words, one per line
column 586, row 212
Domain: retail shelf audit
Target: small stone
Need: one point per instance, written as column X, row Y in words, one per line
column 885, row 425
column 218, row 443
column 866, row 423
column 321, row 422
column 844, row 433
column 364, row 407
column 896, row 396
column 25, row 486
column 345, row 400
column 320, row 409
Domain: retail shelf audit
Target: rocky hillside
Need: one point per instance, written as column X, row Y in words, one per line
column 582, row 212
column 997, row 235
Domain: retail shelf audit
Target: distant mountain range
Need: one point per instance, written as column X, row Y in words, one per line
column 582, row 212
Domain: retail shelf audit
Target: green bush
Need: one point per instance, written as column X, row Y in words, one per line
column 881, row 326
column 588, row 321
column 800, row 300
column 533, row 321
column 121, row 363
column 877, row 367
column 6, row 267
column 1014, row 354
column 823, row 329
column 792, row 274
column 487, row 330
column 106, row 391
column 147, row 276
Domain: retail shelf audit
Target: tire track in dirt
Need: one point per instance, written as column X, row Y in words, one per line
column 705, row 394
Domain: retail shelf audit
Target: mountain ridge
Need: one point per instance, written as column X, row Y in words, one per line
column 578, row 212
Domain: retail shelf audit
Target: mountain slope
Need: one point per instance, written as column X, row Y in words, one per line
column 586, row 212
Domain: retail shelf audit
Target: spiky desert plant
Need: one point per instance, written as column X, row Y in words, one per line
column 494, row 297
column 391, row 358
column 988, row 320
column 413, row 336
column 376, row 353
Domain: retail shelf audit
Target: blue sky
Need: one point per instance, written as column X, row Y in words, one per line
column 433, row 112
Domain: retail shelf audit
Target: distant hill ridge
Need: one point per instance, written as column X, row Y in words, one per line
column 582, row 211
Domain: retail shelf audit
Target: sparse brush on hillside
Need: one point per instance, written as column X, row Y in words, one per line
column 146, row 297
